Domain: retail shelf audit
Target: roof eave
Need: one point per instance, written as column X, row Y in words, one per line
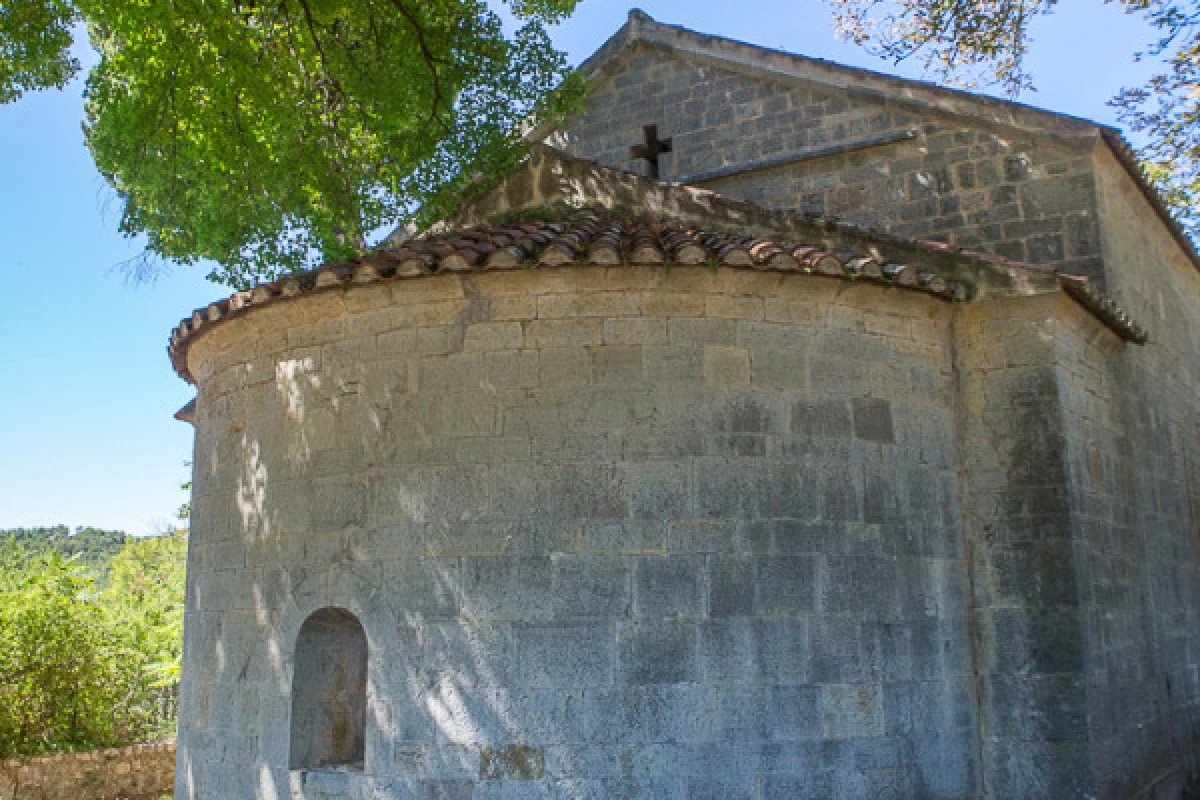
column 1128, row 159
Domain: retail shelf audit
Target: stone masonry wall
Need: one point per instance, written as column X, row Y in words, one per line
column 140, row 772
column 1134, row 446
column 1025, row 601
column 1001, row 191
column 610, row 533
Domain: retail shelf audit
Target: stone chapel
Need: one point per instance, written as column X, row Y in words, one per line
column 776, row 430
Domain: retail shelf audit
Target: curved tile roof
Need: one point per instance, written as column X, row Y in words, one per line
column 587, row 239
column 582, row 239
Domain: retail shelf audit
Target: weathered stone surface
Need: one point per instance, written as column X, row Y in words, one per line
column 140, row 772
column 640, row 532
column 512, row 762
column 622, row 544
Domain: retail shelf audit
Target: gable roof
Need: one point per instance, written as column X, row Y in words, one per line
column 781, row 65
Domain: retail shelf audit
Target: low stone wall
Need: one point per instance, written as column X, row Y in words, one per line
column 140, row 772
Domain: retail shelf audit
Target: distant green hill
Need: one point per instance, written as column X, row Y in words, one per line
column 93, row 547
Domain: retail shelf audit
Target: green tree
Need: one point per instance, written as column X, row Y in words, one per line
column 61, row 682
column 268, row 136
column 986, row 41
column 145, row 591
column 83, row 667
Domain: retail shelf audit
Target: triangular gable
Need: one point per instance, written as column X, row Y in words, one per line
column 781, row 65
column 549, row 183
column 776, row 65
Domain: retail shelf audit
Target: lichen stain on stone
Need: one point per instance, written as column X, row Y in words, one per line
column 864, row 698
column 514, row 762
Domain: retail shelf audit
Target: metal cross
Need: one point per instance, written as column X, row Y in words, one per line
column 651, row 150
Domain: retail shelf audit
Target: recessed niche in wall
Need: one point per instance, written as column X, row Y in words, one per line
column 329, row 692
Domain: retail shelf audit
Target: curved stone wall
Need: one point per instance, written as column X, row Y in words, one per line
column 609, row 532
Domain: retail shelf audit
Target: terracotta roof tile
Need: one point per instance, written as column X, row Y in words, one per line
column 593, row 240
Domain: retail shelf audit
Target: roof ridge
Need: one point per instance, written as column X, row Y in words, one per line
column 640, row 26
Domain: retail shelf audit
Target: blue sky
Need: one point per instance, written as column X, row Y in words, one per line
column 86, row 391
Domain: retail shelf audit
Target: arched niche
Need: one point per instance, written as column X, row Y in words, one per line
column 329, row 693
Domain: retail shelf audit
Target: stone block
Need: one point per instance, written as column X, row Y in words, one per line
column 564, row 367
column 457, row 789
column 494, row 336
column 852, row 711
column 729, row 787
column 840, row 489
column 658, row 652
column 508, row 588
column 635, row 331
column 1042, row 639
column 623, row 537
column 821, row 418
column 659, row 489
column 732, row 581
column 456, row 372
column 794, row 310
column 428, row 494
column 423, row 588
column 809, row 784
column 566, row 655
column 669, row 586
column 442, row 312
column 701, row 536
column 636, row 716
column 748, row 651
column 512, row 369
column 727, row 367
column 590, row 304
column 573, row 332
column 873, row 419
column 667, row 365
column 514, row 762
column 467, row 414
column 566, row 491
column 884, row 501
column 780, row 369
column 720, row 306
column 513, row 307
column 673, row 304
column 1056, row 195
column 1057, row 769
column 757, row 413
column 685, row 332
column 786, row 586
column 591, row 586
column 617, row 366
column 751, row 488
column 866, row 587
column 769, row 714
column 608, row 410
column 844, row 651
column 946, row 764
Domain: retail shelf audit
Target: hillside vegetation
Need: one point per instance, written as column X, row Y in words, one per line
column 90, row 547
column 90, row 638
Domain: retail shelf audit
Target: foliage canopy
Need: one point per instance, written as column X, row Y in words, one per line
column 91, row 548
column 268, row 136
column 986, row 41
column 84, row 667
